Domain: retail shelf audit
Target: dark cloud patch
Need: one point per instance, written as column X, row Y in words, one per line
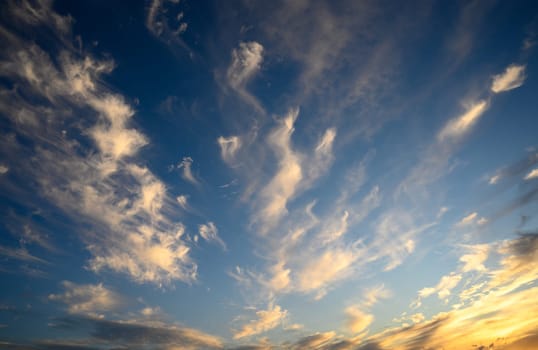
column 249, row 347
column 52, row 345
column 519, row 169
column 522, row 200
column 525, row 246
column 514, row 176
column 370, row 346
column 136, row 334
column 349, row 345
column 312, row 341
column 64, row 346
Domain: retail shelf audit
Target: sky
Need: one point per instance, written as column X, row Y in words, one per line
column 256, row 175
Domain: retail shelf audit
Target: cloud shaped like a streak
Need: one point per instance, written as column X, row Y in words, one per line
column 265, row 320
column 512, row 78
column 246, row 62
column 87, row 299
column 471, row 219
column 97, row 182
column 533, row 174
column 20, row 254
column 460, row 125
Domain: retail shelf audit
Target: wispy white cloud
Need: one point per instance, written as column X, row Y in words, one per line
column 229, row 147
column 512, row 78
column 283, row 185
column 182, row 200
column 467, row 220
column 494, row 179
column 20, row 254
column 442, row 211
column 373, row 295
column 98, row 182
column 186, row 165
column 333, row 265
column 209, row 233
column 3, row 169
column 474, row 260
column 533, row 174
column 323, row 155
column 358, row 316
column 472, row 219
column 434, row 163
column 414, row 318
column 166, row 22
column 460, row 125
column 87, row 299
column 265, row 320
column 246, row 62
column 443, row 288
column 358, row 320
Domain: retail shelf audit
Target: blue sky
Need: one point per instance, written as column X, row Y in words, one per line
column 268, row 175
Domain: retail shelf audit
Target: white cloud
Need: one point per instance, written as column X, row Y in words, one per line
column 186, row 165
column 373, row 295
column 533, row 174
column 442, row 211
column 246, row 61
column 417, row 318
column 182, row 200
column 284, row 184
column 459, row 125
column 467, row 220
column 446, row 284
column 443, row 288
column 280, row 277
column 494, row 179
column 331, row 265
column 209, row 232
column 3, row 169
column 87, row 299
column 426, row 292
column 323, row 155
column 229, row 147
column 151, row 20
column 123, row 207
column 358, row 320
column 474, row 261
column 265, row 320
column 512, row 78
column 167, row 24
column 147, row 255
